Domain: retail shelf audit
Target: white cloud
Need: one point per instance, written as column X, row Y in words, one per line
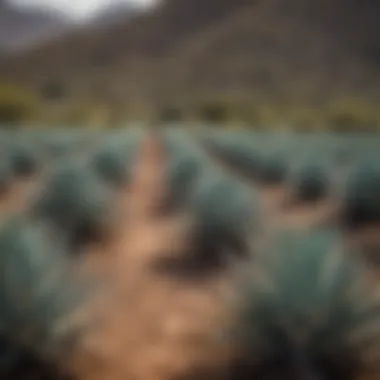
column 77, row 8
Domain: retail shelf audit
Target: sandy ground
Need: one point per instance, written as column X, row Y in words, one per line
column 19, row 195
column 157, row 328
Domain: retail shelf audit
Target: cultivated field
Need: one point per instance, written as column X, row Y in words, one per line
column 175, row 255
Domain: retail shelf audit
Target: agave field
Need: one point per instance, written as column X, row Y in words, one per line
column 174, row 255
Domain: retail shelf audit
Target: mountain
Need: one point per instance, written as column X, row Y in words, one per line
column 20, row 28
column 288, row 48
column 256, row 50
column 115, row 12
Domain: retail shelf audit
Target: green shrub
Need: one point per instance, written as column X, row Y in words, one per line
column 16, row 105
column 53, row 90
column 170, row 115
column 214, row 112
column 305, row 119
column 349, row 115
column 307, row 311
column 79, row 114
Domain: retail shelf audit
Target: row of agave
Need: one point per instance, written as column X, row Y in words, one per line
column 317, row 167
column 306, row 309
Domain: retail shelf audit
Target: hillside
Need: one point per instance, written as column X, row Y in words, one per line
column 182, row 50
column 288, row 48
column 113, row 13
column 20, row 28
column 25, row 28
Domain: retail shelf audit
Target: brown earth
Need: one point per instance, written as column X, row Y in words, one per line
column 17, row 198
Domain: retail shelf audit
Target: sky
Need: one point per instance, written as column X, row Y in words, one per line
column 78, row 9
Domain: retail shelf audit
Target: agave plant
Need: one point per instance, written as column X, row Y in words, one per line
column 307, row 313
column 113, row 161
column 24, row 159
column 273, row 169
column 39, row 296
column 226, row 215
column 76, row 201
column 56, row 144
column 242, row 155
column 310, row 181
column 186, row 165
column 361, row 200
column 183, row 175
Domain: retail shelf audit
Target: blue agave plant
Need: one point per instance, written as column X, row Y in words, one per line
column 76, row 201
column 24, row 159
column 273, row 168
column 186, row 163
column 226, row 215
column 311, row 181
column 361, row 199
column 112, row 162
column 38, row 293
column 308, row 313
column 240, row 154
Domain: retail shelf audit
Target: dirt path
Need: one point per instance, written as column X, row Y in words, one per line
column 154, row 326
column 19, row 195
